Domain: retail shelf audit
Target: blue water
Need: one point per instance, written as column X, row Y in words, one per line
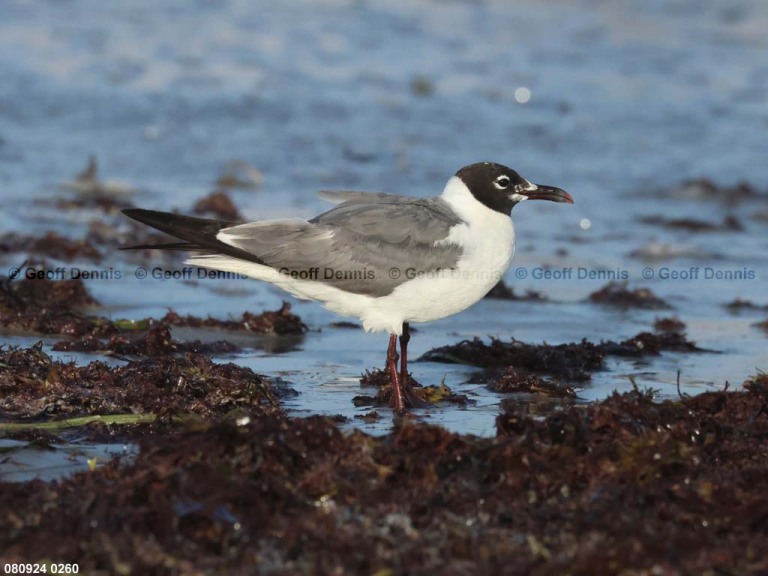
column 627, row 100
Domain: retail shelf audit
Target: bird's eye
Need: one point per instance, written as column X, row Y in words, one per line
column 502, row 182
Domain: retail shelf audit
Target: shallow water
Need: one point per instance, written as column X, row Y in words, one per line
column 27, row 461
column 626, row 101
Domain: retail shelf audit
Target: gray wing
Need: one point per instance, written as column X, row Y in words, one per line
column 339, row 196
column 360, row 246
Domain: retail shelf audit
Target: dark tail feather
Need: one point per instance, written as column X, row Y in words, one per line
column 197, row 231
column 199, row 234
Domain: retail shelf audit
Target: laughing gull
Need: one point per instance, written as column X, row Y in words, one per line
column 387, row 259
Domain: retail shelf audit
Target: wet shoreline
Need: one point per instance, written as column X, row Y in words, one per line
column 602, row 412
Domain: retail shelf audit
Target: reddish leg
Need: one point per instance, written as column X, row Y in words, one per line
column 411, row 399
column 405, row 337
column 398, row 401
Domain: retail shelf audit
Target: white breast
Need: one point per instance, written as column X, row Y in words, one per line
column 487, row 238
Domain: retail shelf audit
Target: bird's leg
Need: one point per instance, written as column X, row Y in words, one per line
column 410, row 398
column 405, row 337
column 398, row 401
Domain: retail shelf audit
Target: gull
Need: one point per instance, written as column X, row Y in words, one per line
column 386, row 259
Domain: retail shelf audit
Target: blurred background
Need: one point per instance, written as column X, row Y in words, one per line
column 600, row 97
column 647, row 113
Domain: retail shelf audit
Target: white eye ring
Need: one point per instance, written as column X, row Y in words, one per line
column 502, row 182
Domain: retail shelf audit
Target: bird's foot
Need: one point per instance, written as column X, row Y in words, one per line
column 408, row 397
column 412, row 399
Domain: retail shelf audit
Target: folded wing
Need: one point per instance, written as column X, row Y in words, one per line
column 359, row 246
column 368, row 244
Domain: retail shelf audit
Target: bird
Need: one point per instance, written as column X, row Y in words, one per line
column 389, row 260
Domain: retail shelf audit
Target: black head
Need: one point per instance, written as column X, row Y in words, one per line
column 501, row 188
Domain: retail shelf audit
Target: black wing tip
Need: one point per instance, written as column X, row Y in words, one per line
column 144, row 216
column 167, row 223
column 155, row 217
column 195, row 234
column 135, row 211
column 148, row 217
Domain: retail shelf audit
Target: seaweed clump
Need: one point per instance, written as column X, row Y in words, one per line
column 218, row 204
column 503, row 292
column 52, row 245
column 706, row 189
column 50, row 307
column 647, row 343
column 512, row 380
column 729, row 224
column 61, row 307
column 149, row 337
column 281, row 321
column 622, row 486
column 617, row 294
column 431, row 394
column 574, row 361
column 739, row 305
column 671, row 324
column 35, row 385
column 157, row 341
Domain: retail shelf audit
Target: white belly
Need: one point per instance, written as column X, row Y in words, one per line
column 447, row 292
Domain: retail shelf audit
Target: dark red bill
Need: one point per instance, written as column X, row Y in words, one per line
column 548, row 193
